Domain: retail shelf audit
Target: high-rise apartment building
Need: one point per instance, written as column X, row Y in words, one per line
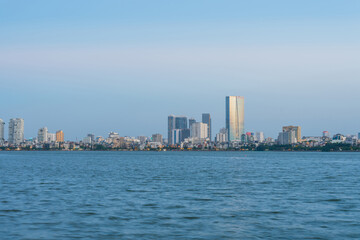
column 181, row 122
column 191, row 121
column 175, row 122
column 207, row 119
column 16, row 131
column 51, row 137
column 222, row 137
column 185, row 133
column 199, row 131
column 235, row 117
column 157, row 137
column 287, row 137
column 259, row 137
column 297, row 130
column 176, row 136
column 42, row 135
column 171, row 127
column 2, row 132
column 60, row 136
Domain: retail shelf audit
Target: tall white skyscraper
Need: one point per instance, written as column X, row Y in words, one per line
column 16, row 131
column 235, row 117
column 2, row 136
column 42, row 135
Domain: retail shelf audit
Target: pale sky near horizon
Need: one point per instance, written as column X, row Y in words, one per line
column 91, row 66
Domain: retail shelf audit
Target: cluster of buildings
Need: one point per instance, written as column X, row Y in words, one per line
column 179, row 131
column 182, row 133
column 16, row 131
column 16, row 135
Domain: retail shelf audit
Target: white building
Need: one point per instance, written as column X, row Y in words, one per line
column 176, row 136
column 199, row 130
column 2, row 133
column 87, row 140
column 51, row 137
column 16, row 131
column 114, row 135
column 287, row 137
column 42, row 135
column 259, row 136
column 352, row 139
column 221, row 137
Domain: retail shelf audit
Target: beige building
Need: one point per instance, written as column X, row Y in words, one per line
column 60, row 136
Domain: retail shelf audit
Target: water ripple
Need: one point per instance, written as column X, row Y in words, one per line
column 179, row 195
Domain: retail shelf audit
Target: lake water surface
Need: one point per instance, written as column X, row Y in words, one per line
column 179, row 195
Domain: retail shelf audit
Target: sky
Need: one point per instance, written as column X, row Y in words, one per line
column 90, row 66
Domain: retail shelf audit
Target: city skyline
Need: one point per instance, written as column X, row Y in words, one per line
column 124, row 65
column 180, row 128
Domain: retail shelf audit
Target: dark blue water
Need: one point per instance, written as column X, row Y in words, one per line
column 179, row 195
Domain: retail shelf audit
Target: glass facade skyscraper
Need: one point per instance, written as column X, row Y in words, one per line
column 207, row 119
column 235, row 117
column 175, row 122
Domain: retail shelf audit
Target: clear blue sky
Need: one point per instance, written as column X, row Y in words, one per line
column 97, row 66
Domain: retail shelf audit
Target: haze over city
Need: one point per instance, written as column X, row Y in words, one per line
column 126, row 65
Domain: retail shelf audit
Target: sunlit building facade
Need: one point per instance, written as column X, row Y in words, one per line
column 60, row 136
column 235, row 117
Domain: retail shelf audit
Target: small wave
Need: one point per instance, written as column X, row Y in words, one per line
column 86, row 213
column 191, row 217
column 203, row 199
column 150, row 205
column 10, row 210
column 333, row 200
column 175, row 207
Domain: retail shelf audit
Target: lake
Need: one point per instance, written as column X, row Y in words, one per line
column 179, row 195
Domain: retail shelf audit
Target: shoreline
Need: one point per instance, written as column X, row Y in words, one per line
column 127, row 150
